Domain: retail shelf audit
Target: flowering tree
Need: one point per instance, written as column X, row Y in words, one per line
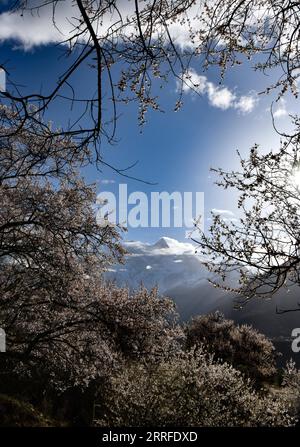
column 241, row 346
column 135, row 47
column 50, row 246
column 262, row 249
column 188, row 391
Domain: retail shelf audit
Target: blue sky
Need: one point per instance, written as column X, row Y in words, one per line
column 174, row 150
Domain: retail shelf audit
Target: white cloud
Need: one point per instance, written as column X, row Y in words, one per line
column 225, row 215
column 164, row 246
column 193, row 81
column 37, row 29
column 280, row 110
column 246, row 103
column 220, row 97
column 107, row 181
column 221, row 211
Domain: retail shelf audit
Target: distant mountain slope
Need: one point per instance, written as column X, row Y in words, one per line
column 178, row 272
column 167, row 263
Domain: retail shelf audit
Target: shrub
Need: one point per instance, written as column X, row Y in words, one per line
column 17, row 413
column 291, row 382
column 76, row 340
column 190, row 390
column 241, row 346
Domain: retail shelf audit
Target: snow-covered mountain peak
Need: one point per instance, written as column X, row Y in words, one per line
column 167, row 263
column 169, row 246
column 165, row 242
